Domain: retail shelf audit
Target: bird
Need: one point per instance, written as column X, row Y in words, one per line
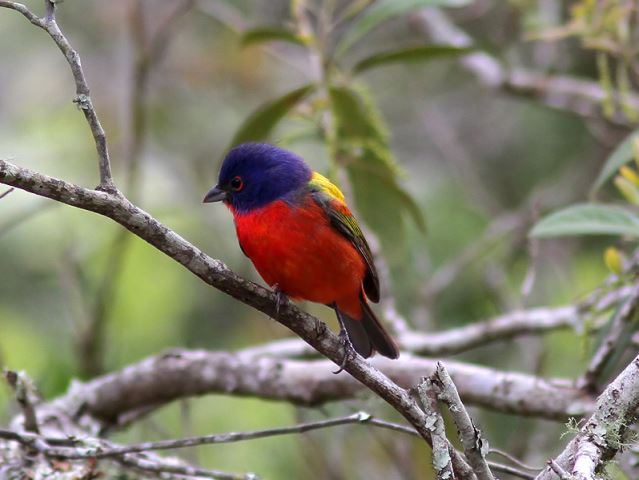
column 296, row 228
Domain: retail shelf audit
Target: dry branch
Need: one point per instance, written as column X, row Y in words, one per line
column 475, row 447
column 24, row 391
column 581, row 97
column 156, row 380
column 441, row 447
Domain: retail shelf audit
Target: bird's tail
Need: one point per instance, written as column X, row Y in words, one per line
column 368, row 334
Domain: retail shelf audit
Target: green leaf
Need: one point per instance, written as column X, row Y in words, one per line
column 387, row 187
column 259, row 125
column 384, row 10
column 619, row 157
column 268, row 34
column 588, row 219
column 356, row 117
column 362, row 146
column 411, row 54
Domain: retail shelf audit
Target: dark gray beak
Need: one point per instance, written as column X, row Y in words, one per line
column 216, row 194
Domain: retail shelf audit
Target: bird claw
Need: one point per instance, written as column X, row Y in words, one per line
column 281, row 299
column 349, row 350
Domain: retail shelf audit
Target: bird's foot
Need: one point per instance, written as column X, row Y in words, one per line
column 349, row 350
column 282, row 299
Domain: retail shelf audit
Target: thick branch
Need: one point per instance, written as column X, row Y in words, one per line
column 156, row 380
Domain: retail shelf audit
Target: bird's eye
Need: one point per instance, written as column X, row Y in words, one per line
column 237, row 184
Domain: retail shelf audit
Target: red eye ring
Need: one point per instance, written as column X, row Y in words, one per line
column 236, row 183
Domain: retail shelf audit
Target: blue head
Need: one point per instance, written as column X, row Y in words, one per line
column 255, row 174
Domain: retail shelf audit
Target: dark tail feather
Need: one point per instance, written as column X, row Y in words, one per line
column 377, row 334
column 356, row 334
column 368, row 334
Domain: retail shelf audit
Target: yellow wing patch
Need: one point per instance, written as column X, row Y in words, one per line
column 324, row 184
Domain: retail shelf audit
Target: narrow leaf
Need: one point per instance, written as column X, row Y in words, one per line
column 363, row 147
column 356, row 117
column 259, row 125
column 412, row 54
column 619, row 157
column 392, row 189
column 268, row 34
column 384, row 10
column 588, row 219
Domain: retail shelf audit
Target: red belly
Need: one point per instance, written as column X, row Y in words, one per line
column 297, row 250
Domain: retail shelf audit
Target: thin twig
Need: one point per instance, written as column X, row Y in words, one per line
column 151, row 466
column 24, row 388
column 7, row 192
column 83, row 98
column 563, row 474
column 616, row 340
column 513, row 459
column 231, row 437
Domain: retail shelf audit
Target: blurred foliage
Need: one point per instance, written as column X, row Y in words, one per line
column 609, row 28
column 411, row 139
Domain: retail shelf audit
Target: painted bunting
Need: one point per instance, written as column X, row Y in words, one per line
column 297, row 230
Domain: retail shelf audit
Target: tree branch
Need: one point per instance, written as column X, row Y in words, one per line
column 95, row 448
column 440, row 456
column 83, row 94
column 160, row 379
column 23, row 389
column 602, row 435
column 575, row 95
column 474, row 445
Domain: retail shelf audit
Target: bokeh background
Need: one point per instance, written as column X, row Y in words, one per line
column 482, row 164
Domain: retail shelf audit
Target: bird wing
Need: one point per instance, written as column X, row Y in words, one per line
column 332, row 201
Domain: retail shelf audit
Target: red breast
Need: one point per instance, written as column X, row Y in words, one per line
column 297, row 249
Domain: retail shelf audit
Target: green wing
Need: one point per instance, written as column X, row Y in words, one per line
column 331, row 201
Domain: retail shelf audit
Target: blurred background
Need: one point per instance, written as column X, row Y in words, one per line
column 175, row 83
